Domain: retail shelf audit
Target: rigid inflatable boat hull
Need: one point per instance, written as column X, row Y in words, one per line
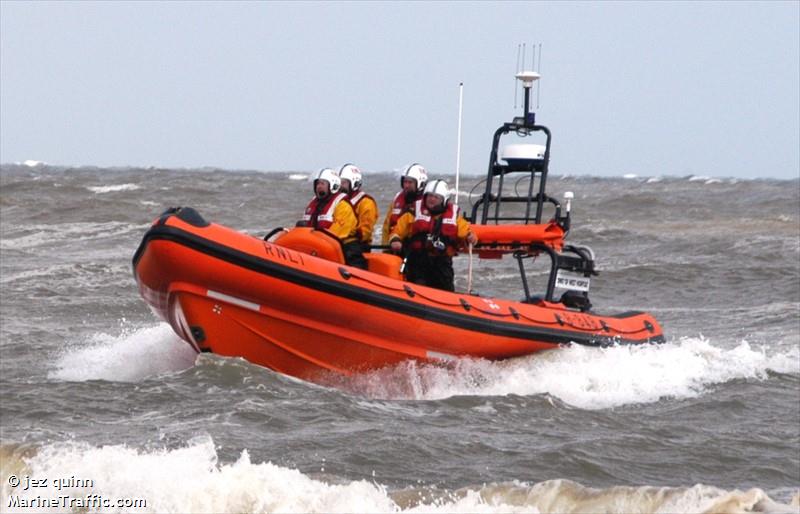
column 235, row 295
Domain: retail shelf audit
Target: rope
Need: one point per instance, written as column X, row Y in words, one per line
column 538, row 321
column 365, row 279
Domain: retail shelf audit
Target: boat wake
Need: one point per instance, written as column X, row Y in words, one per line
column 585, row 377
column 192, row 479
column 129, row 357
column 578, row 376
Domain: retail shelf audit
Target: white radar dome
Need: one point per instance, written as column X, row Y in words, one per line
column 523, row 156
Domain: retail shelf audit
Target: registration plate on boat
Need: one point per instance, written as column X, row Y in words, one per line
column 572, row 281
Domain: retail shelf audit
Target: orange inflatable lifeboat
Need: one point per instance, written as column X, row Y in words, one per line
column 289, row 303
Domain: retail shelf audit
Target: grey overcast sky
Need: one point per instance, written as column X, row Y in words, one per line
column 650, row 88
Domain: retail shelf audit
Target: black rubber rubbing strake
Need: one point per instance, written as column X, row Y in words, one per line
column 371, row 297
column 192, row 217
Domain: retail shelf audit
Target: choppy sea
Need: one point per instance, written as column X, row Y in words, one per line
column 101, row 404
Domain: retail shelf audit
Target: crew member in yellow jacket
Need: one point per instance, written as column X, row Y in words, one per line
column 432, row 235
column 330, row 210
column 365, row 207
column 412, row 183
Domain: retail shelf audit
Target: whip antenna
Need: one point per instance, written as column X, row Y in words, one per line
column 539, row 86
column 519, row 50
column 523, row 57
column 522, row 62
column 458, row 144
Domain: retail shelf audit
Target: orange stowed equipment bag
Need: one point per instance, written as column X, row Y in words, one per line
column 318, row 243
column 496, row 240
column 385, row 264
column 323, row 244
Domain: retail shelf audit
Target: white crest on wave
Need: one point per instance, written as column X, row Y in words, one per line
column 192, row 479
column 114, row 188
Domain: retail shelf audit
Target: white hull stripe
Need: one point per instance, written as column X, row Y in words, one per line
column 184, row 325
column 232, row 299
column 441, row 356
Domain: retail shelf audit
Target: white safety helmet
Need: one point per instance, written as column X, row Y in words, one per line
column 418, row 173
column 439, row 188
column 353, row 174
column 330, row 177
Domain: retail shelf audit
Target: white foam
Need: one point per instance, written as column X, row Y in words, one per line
column 298, row 176
column 33, row 164
column 114, row 188
column 630, row 175
column 129, row 357
column 588, row 378
column 653, row 180
column 191, row 479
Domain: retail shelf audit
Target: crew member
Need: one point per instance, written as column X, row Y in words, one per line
column 330, row 210
column 363, row 204
column 432, row 235
column 412, row 183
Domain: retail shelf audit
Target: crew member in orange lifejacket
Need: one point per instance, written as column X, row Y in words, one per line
column 330, row 210
column 432, row 235
column 363, row 204
column 412, row 183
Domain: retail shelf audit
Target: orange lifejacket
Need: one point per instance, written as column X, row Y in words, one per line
column 320, row 215
column 443, row 227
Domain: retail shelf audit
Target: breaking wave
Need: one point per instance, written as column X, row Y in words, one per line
column 113, row 188
column 192, row 479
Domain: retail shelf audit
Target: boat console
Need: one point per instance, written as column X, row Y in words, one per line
column 503, row 204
